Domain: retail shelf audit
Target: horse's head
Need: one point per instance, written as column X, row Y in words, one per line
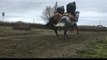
column 77, row 15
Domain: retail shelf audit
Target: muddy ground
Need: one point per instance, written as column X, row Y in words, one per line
column 43, row 43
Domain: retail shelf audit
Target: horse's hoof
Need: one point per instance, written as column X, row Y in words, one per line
column 77, row 33
column 70, row 31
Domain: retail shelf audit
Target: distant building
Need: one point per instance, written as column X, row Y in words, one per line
column 99, row 26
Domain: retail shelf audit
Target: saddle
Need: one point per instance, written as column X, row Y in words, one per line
column 70, row 16
column 58, row 16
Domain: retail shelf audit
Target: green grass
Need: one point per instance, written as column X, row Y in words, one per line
column 43, row 43
column 97, row 49
column 3, row 29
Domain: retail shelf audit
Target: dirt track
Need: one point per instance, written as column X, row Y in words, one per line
column 40, row 43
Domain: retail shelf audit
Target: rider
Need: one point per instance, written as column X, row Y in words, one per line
column 71, row 8
column 59, row 13
column 60, row 10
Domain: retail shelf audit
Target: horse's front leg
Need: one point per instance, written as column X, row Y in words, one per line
column 55, row 30
column 77, row 30
column 65, row 34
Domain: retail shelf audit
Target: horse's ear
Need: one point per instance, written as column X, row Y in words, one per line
column 78, row 12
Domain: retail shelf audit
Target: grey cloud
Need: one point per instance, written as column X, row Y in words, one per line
column 19, row 6
column 33, row 8
column 92, row 5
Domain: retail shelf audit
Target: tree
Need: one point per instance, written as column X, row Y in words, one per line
column 49, row 12
column 55, row 7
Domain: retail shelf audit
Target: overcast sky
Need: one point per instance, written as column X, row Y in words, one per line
column 91, row 11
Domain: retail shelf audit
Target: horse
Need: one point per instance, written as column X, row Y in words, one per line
column 65, row 23
column 53, row 21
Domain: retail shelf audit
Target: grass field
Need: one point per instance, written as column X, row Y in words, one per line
column 43, row 43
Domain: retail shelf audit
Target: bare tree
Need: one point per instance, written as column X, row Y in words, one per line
column 49, row 12
column 55, row 7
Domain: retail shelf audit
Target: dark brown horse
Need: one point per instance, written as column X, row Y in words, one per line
column 53, row 21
